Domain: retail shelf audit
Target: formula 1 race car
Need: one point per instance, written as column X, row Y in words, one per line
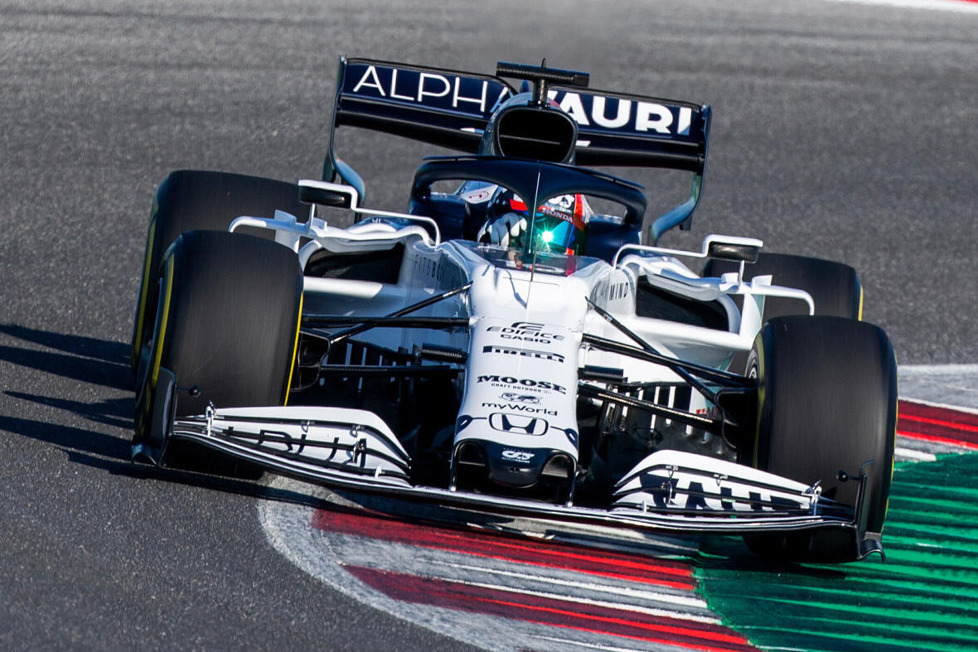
column 508, row 344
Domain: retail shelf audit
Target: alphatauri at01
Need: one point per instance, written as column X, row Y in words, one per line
column 513, row 342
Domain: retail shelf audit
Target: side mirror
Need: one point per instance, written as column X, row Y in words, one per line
column 324, row 193
column 732, row 248
column 721, row 247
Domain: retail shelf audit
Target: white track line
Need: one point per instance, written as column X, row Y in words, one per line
column 323, row 556
column 956, row 6
column 685, row 600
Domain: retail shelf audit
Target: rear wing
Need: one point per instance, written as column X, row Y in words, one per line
column 452, row 109
column 441, row 107
column 631, row 130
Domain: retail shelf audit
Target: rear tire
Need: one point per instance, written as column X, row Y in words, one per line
column 200, row 200
column 834, row 287
column 827, row 405
column 227, row 327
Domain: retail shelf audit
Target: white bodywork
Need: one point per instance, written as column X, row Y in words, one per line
column 525, row 345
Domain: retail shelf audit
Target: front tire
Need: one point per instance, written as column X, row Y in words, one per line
column 827, row 405
column 227, row 326
column 199, row 200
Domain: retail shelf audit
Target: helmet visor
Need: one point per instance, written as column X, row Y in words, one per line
column 559, row 225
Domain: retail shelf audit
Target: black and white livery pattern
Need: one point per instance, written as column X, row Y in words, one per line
column 577, row 372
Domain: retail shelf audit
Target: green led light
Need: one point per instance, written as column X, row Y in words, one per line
column 547, row 236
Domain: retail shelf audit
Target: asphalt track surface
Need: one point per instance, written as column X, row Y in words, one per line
column 842, row 131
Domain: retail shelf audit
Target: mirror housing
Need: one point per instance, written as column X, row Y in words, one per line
column 324, row 193
column 732, row 248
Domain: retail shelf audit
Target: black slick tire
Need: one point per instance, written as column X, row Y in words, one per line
column 834, row 287
column 827, row 405
column 227, row 326
column 200, row 200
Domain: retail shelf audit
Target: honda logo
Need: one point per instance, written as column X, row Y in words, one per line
column 518, row 424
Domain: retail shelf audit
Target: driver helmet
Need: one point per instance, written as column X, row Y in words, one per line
column 559, row 226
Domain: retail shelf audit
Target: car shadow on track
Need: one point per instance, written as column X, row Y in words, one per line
column 105, row 364
column 86, row 359
column 719, row 555
column 116, row 413
column 67, row 438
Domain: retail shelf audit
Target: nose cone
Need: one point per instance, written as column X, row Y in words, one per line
column 514, row 467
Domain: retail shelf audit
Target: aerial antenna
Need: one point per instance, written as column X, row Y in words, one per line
column 531, row 233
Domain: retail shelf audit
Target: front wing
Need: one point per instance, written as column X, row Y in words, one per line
column 668, row 491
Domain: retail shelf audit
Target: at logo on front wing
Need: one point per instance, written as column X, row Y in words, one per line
column 518, row 456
